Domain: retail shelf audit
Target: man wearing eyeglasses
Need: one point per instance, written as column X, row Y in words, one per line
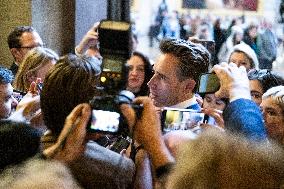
column 21, row 40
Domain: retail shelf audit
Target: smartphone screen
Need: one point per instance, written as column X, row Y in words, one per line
column 120, row 144
column 208, row 83
column 180, row 119
column 104, row 121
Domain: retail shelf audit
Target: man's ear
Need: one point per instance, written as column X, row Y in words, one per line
column 190, row 84
column 16, row 54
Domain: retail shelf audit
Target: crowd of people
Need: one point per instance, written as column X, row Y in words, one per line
column 226, row 31
column 45, row 142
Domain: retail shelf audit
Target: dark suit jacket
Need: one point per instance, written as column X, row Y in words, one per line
column 14, row 68
column 98, row 167
column 243, row 116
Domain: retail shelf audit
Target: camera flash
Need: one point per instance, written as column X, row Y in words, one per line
column 103, row 79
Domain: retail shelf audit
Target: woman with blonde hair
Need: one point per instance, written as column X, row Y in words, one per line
column 35, row 65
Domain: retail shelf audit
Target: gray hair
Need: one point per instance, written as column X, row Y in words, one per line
column 276, row 93
column 36, row 173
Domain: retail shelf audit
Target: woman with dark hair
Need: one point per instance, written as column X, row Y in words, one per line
column 262, row 80
column 140, row 72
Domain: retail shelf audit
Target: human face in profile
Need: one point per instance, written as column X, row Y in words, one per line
column 165, row 87
column 28, row 40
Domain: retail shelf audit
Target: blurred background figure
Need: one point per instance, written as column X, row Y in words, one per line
column 250, row 37
column 267, row 46
column 281, row 11
column 235, row 38
column 219, row 35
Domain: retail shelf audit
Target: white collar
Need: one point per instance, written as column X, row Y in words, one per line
column 185, row 103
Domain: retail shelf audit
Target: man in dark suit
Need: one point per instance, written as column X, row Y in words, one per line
column 20, row 41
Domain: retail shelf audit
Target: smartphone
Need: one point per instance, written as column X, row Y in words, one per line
column 120, row 144
column 103, row 141
column 208, row 83
column 180, row 119
column 104, row 121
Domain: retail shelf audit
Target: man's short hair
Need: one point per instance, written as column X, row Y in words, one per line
column 70, row 82
column 193, row 58
column 277, row 94
column 6, row 76
column 15, row 35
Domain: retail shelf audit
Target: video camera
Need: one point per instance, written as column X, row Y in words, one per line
column 115, row 48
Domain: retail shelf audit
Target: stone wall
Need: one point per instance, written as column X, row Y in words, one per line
column 61, row 23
